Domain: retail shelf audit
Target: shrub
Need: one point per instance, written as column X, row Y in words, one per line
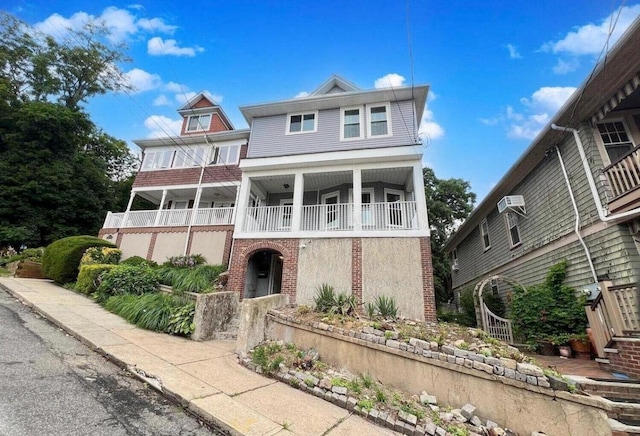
column 548, row 309
column 197, row 279
column 468, row 317
column 89, row 277
column 101, row 255
column 61, row 258
column 386, row 306
column 126, row 279
column 185, row 261
column 33, row 254
column 158, row 312
column 328, row 301
column 138, row 261
column 494, row 303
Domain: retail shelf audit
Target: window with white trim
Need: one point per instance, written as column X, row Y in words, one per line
column 198, row 122
column 616, row 139
column 351, row 123
column 514, row 231
column 301, row 123
column 379, row 123
column 484, row 231
column 226, row 155
column 189, row 158
column 157, row 160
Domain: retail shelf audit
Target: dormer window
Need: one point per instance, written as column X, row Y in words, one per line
column 351, row 123
column 198, row 122
column 301, row 123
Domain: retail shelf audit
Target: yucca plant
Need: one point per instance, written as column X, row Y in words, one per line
column 325, row 298
column 386, row 306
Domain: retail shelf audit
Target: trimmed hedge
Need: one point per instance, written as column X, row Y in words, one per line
column 61, row 258
column 126, row 279
column 88, row 277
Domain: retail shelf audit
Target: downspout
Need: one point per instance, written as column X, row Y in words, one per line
column 602, row 214
column 577, row 214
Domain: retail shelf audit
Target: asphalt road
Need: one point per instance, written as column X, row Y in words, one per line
column 51, row 384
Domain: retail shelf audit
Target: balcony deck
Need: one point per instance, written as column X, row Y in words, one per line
column 169, row 218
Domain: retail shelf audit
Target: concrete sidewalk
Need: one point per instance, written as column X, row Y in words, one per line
column 203, row 376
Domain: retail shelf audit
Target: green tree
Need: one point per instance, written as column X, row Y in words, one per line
column 59, row 173
column 449, row 202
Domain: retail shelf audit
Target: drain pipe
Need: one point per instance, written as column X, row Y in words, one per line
column 577, row 214
column 602, row 213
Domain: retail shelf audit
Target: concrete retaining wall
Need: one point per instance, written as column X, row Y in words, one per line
column 516, row 405
column 252, row 328
column 215, row 313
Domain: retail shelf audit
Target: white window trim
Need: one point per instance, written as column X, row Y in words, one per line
column 506, row 222
column 482, row 234
column 393, row 191
column 281, row 218
column 364, row 190
column 199, row 128
column 387, row 106
column 143, row 167
column 323, row 197
column 302, row 114
column 361, row 121
column 212, row 155
column 602, row 146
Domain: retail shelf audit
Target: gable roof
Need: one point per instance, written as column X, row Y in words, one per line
column 613, row 79
column 202, row 102
column 335, row 84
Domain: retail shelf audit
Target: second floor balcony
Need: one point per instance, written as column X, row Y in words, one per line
column 170, row 218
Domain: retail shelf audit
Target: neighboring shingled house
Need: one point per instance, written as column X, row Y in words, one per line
column 574, row 194
column 328, row 189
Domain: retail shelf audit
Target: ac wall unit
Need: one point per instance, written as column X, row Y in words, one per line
column 514, row 203
column 454, row 266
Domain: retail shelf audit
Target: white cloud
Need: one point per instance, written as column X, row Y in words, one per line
column 513, row 52
column 161, row 100
column 161, row 126
column 549, row 98
column 429, row 127
column 566, row 66
column 156, row 46
column 591, row 38
column 391, row 80
column 142, row 81
column 175, row 87
column 121, row 23
column 302, row 94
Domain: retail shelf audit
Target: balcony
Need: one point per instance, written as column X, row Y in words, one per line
column 623, row 179
column 322, row 218
column 169, row 218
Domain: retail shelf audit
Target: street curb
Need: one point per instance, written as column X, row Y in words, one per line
column 209, row 420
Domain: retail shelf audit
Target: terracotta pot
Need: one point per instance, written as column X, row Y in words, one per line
column 582, row 349
column 546, row 348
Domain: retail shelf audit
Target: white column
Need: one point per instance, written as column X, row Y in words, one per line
column 243, row 203
column 298, row 192
column 125, row 218
column 159, row 214
column 357, row 199
column 196, row 203
column 420, row 198
column 235, row 207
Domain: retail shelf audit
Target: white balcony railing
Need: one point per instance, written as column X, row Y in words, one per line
column 400, row 215
column 169, row 217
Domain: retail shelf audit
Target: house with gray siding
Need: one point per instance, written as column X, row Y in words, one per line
column 325, row 188
column 574, row 194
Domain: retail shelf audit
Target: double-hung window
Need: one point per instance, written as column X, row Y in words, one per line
column 351, row 123
column 379, row 123
column 514, row 230
column 484, row 231
column 301, row 123
column 615, row 138
column 198, row 122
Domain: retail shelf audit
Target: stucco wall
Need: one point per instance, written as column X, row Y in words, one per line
column 323, row 261
column 135, row 244
column 393, row 267
column 209, row 244
column 516, row 405
column 167, row 245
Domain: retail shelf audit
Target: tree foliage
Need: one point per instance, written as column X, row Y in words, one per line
column 449, row 202
column 59, row 173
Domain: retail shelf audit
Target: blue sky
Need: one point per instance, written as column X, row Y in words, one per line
column 498, row 70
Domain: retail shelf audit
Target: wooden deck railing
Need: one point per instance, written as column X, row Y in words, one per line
column 624, row 174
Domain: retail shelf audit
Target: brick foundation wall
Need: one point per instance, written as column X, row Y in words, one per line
column 627, row 359
column 356, row 270
column 152, row 245
column 243, row 249
column 427, row 280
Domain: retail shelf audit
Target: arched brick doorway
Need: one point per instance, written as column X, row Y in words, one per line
column 263, row 274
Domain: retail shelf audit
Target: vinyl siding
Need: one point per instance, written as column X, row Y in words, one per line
column 549, row 218
column 268, row 138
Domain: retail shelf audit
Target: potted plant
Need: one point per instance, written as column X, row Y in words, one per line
column 580, row 345
column 562, row 342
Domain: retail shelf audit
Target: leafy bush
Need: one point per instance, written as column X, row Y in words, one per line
column 328, row 301
column 494, row 303
column 468, row 317
column 548, row 309
column 126, row 279
column 101, row 255
column 89, row 277
column 197, row 279
column 138, row 261
column 33, row 254
column 158, row 312
column 185, row 261
column 61, row 258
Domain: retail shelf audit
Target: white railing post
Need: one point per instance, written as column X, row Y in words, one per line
column 296, row 213
column 243, row 201
column 357, row 199
column 126, row 212
column 164, row 197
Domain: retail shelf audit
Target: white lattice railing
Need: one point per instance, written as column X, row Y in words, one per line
column 169, row 217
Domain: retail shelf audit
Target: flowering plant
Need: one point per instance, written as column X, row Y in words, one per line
column 101, row 255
